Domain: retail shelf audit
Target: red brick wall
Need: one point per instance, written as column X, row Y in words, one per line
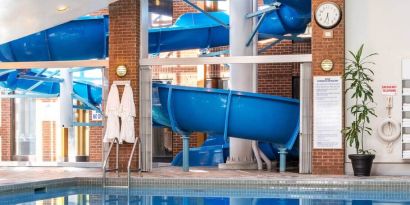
column 95, row 143
column 124, row 50
column 328, row 161
column 179, row 8
column 49, row 140
column 276, row 79
column 6, row 128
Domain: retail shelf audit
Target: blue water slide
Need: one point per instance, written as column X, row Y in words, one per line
column 212, row 152
column 245, row 115
column 10, row 79
column 87, row 37
column 265, row 118
column 196, row 30
column 81, row 39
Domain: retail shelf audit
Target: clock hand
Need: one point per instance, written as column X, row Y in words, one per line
column 327, row 17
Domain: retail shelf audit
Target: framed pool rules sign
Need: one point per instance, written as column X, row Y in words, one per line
column 327, row 112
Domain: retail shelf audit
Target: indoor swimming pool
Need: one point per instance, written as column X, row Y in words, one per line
column 166, row 196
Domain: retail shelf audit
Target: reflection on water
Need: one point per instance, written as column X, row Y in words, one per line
column 91, row 196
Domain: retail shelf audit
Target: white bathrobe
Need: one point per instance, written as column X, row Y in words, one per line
column 127, row 114
column 112, row 111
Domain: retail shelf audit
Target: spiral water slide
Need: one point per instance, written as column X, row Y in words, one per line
column 264, row 118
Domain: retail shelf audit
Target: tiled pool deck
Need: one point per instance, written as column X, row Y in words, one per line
column 25, row 178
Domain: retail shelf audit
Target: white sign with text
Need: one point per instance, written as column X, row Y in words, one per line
column 96, row 116
column 389, row 89
column 327, row 105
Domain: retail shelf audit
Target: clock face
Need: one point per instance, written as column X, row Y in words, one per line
column 328, row 15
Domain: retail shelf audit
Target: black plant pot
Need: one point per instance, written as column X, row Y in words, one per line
column 362, row 163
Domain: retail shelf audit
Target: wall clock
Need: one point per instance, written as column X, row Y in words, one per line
column 328, row 15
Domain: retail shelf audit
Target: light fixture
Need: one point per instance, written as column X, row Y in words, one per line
column 62, row 8
column 121, row 70
column 326, row 65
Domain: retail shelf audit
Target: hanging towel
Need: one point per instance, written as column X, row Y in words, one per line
column 112, row 113
column 127, row 114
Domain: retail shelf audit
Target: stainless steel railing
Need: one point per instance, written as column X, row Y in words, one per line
column 129, row 170
column 116, row 169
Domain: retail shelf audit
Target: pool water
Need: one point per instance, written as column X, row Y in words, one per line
column 181, row 196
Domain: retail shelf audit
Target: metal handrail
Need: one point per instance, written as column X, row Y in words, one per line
column 137, row 141
column 106, row 161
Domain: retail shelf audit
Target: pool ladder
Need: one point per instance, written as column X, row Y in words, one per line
column 116, row 169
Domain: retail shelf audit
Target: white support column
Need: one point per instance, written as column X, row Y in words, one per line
column 145, row 84
column 240, row 152
column 66, row 111
column 66, row 102
column 306, row 116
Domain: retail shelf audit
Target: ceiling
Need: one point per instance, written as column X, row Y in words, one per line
column 19, row 18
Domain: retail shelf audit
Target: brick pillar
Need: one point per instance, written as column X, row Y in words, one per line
column 124, row 50
column 328, row 161
column 49, row 140
column 95, row 143
column 7, row 128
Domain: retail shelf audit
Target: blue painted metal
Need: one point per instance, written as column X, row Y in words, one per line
column 12, row 81
column 38, row 78
column 270, row 8
column 5, row 72
column 88, row 124
column 282, row 159
column 34, row 86
column 86, row 102
column 258, row 25
column 253, row 116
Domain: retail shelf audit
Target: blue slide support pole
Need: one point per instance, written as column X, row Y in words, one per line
column 282, row 159
column 185, row 152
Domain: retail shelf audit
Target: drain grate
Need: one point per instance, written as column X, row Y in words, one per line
column 40, row 190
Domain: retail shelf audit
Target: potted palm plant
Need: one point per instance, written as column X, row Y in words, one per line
column 358, row 76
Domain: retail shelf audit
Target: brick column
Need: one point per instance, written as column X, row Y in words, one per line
column 49, row 140
column 124, row 50
column 328, row 161
column 7, row 129
column 95, row 142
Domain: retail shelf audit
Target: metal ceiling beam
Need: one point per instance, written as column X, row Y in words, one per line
column 39, row 83
column 43, row 79
column 271, row 8
column 77, row 97
column 6, row 72
column 300, row 58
